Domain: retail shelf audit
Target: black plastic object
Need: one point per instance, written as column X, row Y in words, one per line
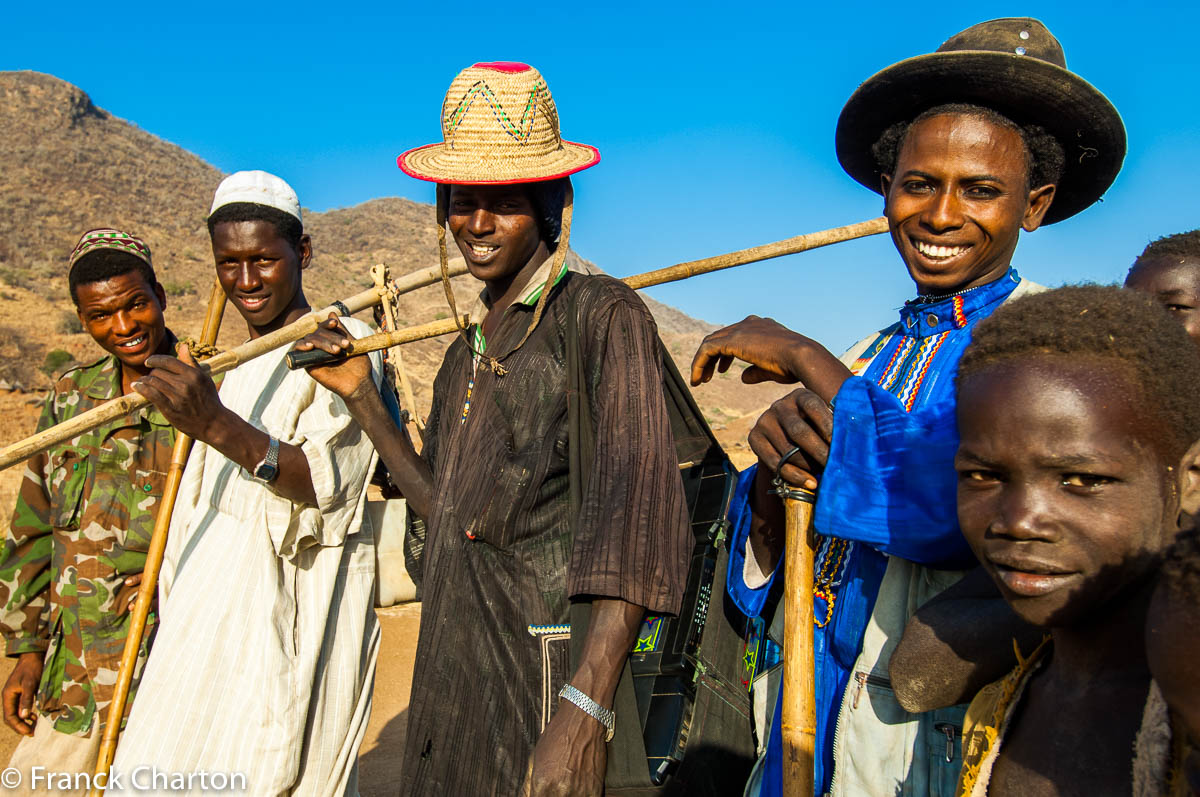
column 307, row 359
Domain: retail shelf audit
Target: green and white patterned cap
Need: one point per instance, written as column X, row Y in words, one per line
column 108, row 238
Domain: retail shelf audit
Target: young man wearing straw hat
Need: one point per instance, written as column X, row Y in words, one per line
column 74, row 552
column 264, row 663
column 986, row 137
column 504, row 556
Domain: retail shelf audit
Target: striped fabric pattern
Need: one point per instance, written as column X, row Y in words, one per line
column 265, row 659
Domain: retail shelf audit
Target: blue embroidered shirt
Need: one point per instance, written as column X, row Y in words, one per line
column 888, row 488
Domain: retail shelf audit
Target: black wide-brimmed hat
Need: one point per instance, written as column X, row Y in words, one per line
column 1013, row 66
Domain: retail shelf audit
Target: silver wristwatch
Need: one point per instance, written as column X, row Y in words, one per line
column 604, row 716
column 266, row 470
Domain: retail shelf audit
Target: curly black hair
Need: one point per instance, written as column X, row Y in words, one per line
column 1181, row 244
column 286, row 225
column 1181, row 568
column 102, row 264
column 1043, row 152
column 1102, row 322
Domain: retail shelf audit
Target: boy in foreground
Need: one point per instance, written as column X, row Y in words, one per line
column 1078, row 453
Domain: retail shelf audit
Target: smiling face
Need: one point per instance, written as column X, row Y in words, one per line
column 1175, row 282
column 124, row 315
column 958, row 200
column 495, row 227
column 1061, row 493
column 260, row 273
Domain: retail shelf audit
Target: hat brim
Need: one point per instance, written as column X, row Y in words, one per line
column 1026, row 90
column 439, row 163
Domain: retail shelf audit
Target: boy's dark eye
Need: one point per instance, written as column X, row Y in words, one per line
column 978, row 476
column 1084, row 480
column 1179, row 308
column 917, row 187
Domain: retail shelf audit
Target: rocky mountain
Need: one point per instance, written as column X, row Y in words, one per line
column 67, row 166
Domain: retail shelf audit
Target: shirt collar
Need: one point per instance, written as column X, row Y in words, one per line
column 923, row 319
column 106, row 385
column 529, row 298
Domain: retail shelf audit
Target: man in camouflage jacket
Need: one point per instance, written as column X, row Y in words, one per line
column 72, row 559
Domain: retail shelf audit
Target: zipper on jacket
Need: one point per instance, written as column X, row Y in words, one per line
column 951, row 732
column 867, row 679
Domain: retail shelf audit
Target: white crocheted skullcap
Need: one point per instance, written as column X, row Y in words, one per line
column 258, row 188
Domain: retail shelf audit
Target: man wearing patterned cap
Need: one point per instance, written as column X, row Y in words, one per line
column 266, row 656
column 75, row 550
column 507, row 554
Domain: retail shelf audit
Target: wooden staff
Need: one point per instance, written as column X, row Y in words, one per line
column 798, row 723
column 154, row 556
column 801, row 243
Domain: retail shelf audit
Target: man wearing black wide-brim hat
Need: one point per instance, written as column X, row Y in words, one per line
column 970, row 145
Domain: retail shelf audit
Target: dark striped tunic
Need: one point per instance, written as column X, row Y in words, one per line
column 500, row 566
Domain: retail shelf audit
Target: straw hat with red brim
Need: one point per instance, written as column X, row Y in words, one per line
column 1014, row 66
column 499, row 126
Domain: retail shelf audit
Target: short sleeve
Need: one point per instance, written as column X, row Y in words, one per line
column 632, row 540
column 340, row 458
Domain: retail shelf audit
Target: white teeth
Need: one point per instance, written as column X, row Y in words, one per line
column 129, row 344
column 939, row 252
column 483, row 249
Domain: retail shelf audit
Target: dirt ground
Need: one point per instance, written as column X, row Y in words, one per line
column 379, row 758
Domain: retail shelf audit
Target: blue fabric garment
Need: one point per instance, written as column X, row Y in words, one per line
column 889, row 487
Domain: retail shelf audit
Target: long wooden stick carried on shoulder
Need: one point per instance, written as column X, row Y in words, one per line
column 140, row 611
column 790, row 246
column 226, row 361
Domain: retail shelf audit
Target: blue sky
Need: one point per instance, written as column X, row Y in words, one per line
column 715, row 121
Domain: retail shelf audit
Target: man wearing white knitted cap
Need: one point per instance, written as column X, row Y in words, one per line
column 265, row 659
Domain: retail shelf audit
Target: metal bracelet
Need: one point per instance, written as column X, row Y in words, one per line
column 604, row 716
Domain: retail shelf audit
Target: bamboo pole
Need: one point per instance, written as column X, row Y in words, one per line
column 798, row 724
column 122, row 406
column 800, row 243
column 789, row 246
column 154, row 556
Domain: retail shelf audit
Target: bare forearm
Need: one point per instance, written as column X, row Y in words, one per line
column 246, row 445
column 818, row 369
column 408, row 471
column 611, row 632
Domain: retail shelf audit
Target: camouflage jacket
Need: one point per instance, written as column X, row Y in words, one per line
column 82, row 524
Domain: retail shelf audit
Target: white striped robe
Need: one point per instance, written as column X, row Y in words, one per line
column 265, row 659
